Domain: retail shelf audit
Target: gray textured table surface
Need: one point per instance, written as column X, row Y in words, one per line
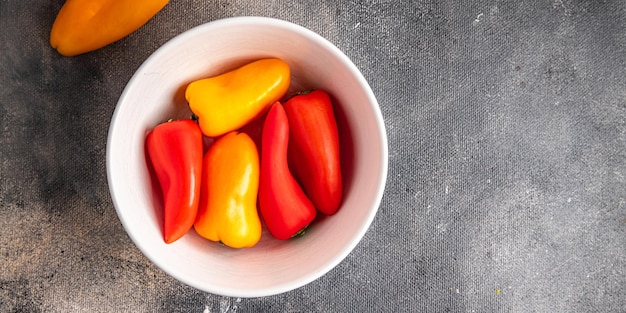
column 507, row 169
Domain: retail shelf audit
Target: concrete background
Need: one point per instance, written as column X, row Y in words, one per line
column 507, row 160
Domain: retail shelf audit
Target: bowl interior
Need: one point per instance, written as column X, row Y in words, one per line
column 156, row 93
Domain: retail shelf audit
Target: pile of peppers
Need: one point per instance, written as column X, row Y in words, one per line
column 269, row 165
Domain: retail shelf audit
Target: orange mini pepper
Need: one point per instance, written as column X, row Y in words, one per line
column 85, row 25
column 230, row 180
column 231, row 100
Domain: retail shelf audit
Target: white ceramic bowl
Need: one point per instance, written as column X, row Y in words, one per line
column 156, row 93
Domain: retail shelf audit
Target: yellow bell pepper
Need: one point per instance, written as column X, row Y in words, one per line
column 229, row 101
column 230, row 180
column 86, row 25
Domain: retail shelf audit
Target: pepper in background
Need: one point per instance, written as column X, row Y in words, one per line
column 229, row 188
column 284, row 206
column 229, row 101
column 314, row 149
column 175, row 152
column 85, row 25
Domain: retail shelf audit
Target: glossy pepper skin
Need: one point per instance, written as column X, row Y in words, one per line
column 175, row 152
column 85, row 25
column 314, row 149
column 230, row 182
column 229, row 101
column 284, row 206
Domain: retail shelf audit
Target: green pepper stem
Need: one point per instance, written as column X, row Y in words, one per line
column 300, row 232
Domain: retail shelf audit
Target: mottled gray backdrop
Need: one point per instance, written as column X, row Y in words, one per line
column 507, row 160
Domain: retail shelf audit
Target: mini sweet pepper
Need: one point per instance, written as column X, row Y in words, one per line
column 284, row 206
column 227, row 102
column 314, row 149
column 86, row 25
column 175, row 153
column 230, row 180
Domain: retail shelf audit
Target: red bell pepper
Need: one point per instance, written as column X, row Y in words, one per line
column 175, row 152
column 284, row 206
column 314, row 149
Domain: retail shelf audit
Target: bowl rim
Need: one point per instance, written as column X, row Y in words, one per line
column 356, row 238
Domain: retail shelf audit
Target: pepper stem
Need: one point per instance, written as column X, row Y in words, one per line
column 299, row 93
column 301, row 232
column 304, row 92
